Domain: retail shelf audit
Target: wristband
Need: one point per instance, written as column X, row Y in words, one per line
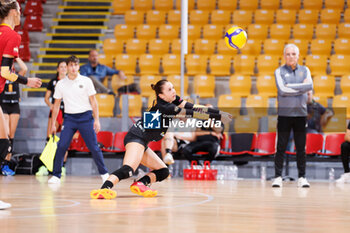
column 188, row 105
column 22, row 79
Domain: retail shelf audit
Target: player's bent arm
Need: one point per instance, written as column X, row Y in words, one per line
column 6, row 64
column 191, row 113
column 200, row 108
column 6, row 73
column 23, row 67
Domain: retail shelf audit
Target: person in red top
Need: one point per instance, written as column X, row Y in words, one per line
column 10, row 16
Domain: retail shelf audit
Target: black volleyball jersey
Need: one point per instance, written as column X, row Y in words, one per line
column 167, row 111
column 10, row 95
column 51, row 87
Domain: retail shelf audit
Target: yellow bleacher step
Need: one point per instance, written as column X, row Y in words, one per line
column 80, row 20
column 60, row 56
column 67, row 49
column 45, row 64
column 78, row 27
column 88, row 1
column 40, row 89
column 75, row 34
column 84, row 13
column 73, row 42
column 51, row 63
column 43, row 71
column 85, row 7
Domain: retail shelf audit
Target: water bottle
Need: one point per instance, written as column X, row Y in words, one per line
column 331, row 174
column 263, row 173
column 234, row 172
column 171, row 171
column 221, row 172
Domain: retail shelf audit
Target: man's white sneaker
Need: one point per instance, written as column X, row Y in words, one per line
column 302, row 183
column 54, row 180
column 344, row 178
column 277, row 182
column 104, row 177
column 168, row 159
column 4, row 205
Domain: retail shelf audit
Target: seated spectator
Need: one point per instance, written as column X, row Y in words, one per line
column 205, row 140
column 318, row 116
column 98, row 72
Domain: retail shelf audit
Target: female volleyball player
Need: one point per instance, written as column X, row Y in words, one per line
column 9, row 101
column 61, row 74
column 10, row 40
column 168, row 105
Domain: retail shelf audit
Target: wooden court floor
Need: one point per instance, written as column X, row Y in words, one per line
column 181, row 206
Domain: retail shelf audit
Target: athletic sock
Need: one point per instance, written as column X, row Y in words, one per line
column 146, row 180
column 6, row 162
column 107, row 185
column 168, row 151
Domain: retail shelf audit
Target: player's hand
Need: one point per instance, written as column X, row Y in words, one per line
column 53, row 129
column 97, row 126
column 218, row 135
column 122, row 74
column 34, row 82
column 226, row 117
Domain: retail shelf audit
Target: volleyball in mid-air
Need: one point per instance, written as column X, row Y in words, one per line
column 235, row 37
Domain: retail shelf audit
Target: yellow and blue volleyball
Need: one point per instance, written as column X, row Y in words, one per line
column 235, row 38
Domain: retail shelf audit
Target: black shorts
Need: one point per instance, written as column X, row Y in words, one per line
column 10, row 108
column 130, row 137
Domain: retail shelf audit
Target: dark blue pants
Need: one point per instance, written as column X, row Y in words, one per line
column 84, row 122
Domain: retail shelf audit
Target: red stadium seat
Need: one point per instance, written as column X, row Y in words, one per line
column 314, row 143
column 24, row 35
column 81, row 143
column 106, row 139
column 33, row 7
column 333, row 144
column 77, row 143
column 24, row 52
column 265, row 144
column 240, row 143
column 118, row 143
column 313, row 146
column 33, row 23
column 155, row 146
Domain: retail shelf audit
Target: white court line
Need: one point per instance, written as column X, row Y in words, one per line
column 74, row 203
column 209, row 198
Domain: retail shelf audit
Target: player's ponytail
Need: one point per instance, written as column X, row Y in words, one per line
column 158, row 87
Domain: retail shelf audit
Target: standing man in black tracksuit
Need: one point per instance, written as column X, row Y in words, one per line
column 293, row 81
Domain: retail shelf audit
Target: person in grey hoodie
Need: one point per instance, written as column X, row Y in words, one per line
column 293, row 81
